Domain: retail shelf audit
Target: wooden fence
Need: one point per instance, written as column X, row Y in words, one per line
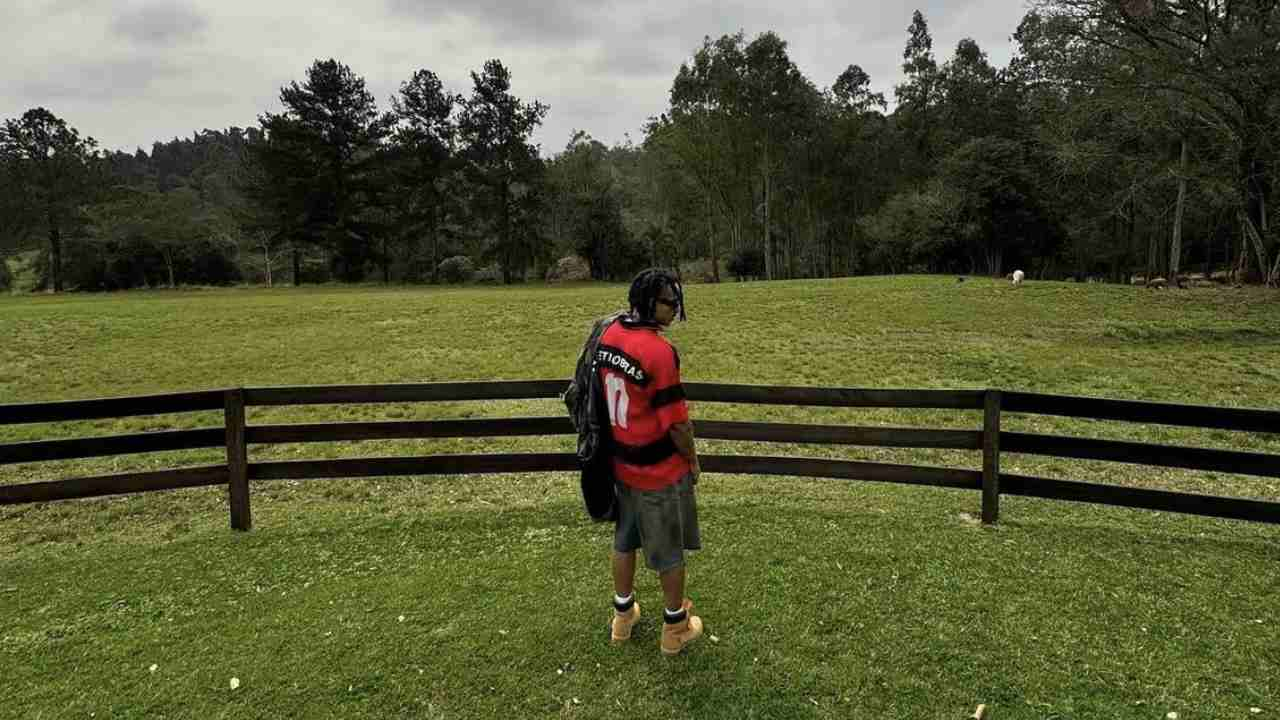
column 236, row 437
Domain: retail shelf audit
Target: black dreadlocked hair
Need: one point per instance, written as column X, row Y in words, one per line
column 645, row 289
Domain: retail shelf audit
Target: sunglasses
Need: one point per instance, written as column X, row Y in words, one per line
column 673, row 304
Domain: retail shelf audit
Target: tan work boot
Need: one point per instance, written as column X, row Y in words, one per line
column 621, row 624
column 676, row 635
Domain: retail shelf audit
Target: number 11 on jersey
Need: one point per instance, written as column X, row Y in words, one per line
column 615, row 390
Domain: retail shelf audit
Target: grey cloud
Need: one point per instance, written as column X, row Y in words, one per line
column 603, row 65
column 648, row 39
column 513, row 22
column 102, row 80
column 159, row 24
column 691, row 23
column 634, row 59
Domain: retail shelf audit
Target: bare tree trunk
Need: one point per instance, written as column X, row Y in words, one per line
column 1130, row 254
column 266, row 260
column 1113, row 275
column 386, row 263
column 786, row 268
column 1175, row 247
column 993, row 258
column 829, row 241
column 1273, row 278
column 768, row 236
column 1208, row 257
column 1151, row 258
column 1251, row 237
column 505, row 235
column 831, row 255
column 1262, row 213
column 168, row 263
column 792, row 250
column 1242, row 261
column 435, row 244
column 1254, row 184
column 711, row 240
column 55, row 253
column 1251, row 234
column 297, row 267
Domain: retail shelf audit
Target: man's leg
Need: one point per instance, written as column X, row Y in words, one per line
column 624, row 573
column 672, row 588
column 679, row 625
column 626, row 611
column 626, row 539
column 676, row 527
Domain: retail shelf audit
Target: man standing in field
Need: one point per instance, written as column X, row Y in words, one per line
column 655, row 463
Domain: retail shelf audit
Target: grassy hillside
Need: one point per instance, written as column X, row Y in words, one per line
column 469, row 597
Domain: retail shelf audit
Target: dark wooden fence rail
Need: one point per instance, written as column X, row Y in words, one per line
column 1200, row 416
column 236, row 437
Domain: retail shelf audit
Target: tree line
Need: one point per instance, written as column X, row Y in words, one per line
column 1124, row 137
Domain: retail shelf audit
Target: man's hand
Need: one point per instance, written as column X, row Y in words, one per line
column 682, row 436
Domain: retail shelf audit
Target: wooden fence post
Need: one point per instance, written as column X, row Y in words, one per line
column 991, row 457
column 237, row 461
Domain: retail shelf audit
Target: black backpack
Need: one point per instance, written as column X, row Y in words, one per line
column 589, row 414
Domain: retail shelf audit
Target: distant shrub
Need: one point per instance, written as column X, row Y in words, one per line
column 6, row 277
column 569, row 268
column 697, row 271
column 746, row 263
column 106, row 266
column 627, row 257
column 457, row 269
column 491, row 273
column 312, row 270
column 209, row 265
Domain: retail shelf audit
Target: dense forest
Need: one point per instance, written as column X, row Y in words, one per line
column 1131, row 138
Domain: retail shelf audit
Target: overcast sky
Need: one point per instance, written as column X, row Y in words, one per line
column 131, row 73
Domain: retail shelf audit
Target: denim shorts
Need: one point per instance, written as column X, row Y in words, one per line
column 663, row 522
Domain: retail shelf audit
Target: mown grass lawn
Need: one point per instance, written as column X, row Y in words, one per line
column 487, row 596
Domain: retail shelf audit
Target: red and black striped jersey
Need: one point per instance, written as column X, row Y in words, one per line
column 640, row 374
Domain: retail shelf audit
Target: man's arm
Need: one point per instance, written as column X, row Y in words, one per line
column 682, row 436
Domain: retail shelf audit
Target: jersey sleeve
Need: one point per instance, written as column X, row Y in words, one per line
column 668, row 399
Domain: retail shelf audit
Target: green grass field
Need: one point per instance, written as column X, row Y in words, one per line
column 487, row 596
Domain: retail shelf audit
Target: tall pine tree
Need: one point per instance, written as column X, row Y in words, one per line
column 53, row 173
column 320, row 162
column 495, row 127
